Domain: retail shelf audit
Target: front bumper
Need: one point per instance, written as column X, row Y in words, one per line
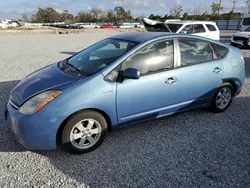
column 239, row 43
column 34, row 132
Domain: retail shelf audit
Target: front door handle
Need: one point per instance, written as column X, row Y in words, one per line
column 171, row 80
column 217, row 70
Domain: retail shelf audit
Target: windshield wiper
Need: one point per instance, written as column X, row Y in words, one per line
column 75, row 68
column 65, row 64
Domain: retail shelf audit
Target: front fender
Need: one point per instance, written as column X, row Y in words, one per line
column 93, row 94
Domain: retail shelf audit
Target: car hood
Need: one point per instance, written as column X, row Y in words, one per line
column 155, row 26
column 242, row 34
column 50, row 77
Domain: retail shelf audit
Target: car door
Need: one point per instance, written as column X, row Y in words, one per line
column 200, row 72
column 155, row 93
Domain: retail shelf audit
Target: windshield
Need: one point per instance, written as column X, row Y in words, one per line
column 174, row 27
column 99, row 56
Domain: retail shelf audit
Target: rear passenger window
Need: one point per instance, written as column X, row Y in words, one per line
column 194, row 51
column 199, row 28
column 219, row 50
column 211, row 27
column 155, row 57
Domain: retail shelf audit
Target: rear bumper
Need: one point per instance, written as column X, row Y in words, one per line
column 34, row 132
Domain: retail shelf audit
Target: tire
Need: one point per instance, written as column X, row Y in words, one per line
column 216, row 106
column 77, row 132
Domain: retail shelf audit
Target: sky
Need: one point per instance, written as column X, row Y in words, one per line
column 13, row 9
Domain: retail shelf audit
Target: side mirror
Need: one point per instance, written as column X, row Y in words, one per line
column 131, row 73
column 184, row 32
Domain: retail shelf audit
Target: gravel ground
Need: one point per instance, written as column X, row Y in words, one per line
column 193, row 149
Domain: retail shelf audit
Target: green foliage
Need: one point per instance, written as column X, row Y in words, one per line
column 216, row 7
column 119, row 14
column 175, row 11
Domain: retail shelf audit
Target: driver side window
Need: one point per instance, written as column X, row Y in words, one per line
column 155, row 57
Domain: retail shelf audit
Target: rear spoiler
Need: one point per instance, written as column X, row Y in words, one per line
column 155, row 26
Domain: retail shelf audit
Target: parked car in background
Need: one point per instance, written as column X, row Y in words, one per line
column 9, row 24
column 139, row 25
column 89, row 25
column 241, row 39
column 127, row 25
column 110, row 25
column 122, row 80
column 245, row 22
column 201, row 28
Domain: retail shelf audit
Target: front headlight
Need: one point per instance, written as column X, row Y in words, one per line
column 37, row 102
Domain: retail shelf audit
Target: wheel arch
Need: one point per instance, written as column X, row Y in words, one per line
column 60, row 129
column 234, row 82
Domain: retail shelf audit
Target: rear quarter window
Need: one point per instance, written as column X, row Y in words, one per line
column 219, row 50
column 211, row 27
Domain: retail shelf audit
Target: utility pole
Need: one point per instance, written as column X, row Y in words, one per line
column 219, row 8
column 234, row 1
column 247, row 7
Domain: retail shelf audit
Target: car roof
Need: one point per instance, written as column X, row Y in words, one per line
column 190, row 22
column 141, row 36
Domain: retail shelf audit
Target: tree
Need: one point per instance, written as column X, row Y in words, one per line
column 110, row 16
column 84, row 17
column 128, row 16
column 120, row 13
column 139, row 18
column 66, row 16
column 47, row 15
column 185, row 16
column 96, row 11
column 176, row 11
column 155, row 17
column 216, row 7
column 25, row 18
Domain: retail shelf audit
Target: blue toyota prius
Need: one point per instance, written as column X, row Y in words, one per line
column 118, row 81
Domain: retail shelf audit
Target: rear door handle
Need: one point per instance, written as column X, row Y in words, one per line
column 171, row 80
column 217, row 70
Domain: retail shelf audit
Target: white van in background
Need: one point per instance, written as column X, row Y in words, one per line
column 245, row 22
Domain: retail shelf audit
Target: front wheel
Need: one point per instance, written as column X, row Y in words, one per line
column 222, row 98
column 84, row 132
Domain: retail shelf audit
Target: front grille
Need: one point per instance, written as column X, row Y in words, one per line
column 241, row 38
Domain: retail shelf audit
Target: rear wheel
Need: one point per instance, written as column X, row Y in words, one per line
column 84, row 132
column 223, row 98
